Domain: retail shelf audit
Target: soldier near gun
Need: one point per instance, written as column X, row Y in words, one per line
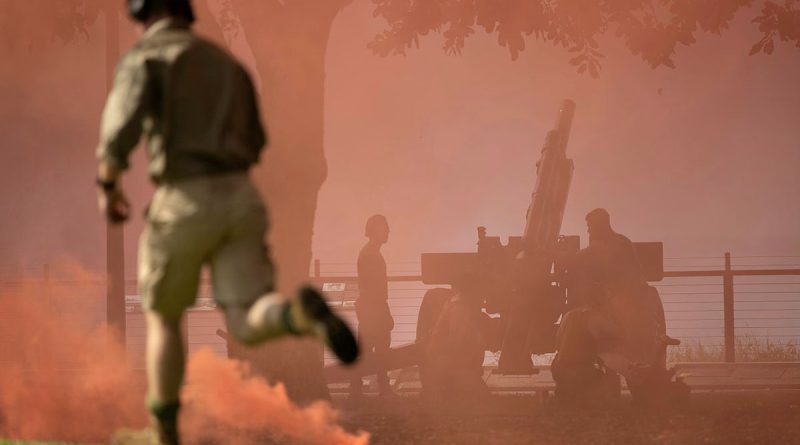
column 375, row 322
column 614, row 323
column 197, row 108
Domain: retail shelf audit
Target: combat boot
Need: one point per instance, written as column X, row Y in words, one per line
column 321, row 322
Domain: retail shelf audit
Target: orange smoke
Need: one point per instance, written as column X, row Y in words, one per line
column 227, row 406
column 63, row 377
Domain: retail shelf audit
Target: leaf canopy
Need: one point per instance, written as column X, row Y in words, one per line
column 26, row 24
column 650, row 29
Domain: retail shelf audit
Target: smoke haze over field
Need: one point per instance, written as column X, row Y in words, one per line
column 63, row 377
column 703, row 157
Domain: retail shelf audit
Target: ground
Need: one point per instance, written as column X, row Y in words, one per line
column 710, row 418
column 11, row 442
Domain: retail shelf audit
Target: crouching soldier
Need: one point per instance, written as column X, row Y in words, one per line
column 616, row 325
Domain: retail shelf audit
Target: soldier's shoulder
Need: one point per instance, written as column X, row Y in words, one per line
column 132, row 60
column 134, row 54
column 159, row 47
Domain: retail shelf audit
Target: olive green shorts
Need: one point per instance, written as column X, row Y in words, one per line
column 219, row 221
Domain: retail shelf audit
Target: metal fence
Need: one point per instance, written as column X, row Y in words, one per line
column 749, row 301
column 710, row 302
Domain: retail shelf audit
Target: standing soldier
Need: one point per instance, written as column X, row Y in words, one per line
column 197, row 108
column 375, row 322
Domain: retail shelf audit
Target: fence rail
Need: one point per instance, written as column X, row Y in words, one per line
column 698, row 312
column 713, row 304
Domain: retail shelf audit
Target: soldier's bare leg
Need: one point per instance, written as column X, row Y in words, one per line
column 367, row 348
column 165, row 369
column 243, row 277
column 263, row 320
column 165, row 357
column 381, row 348
column 272, row 316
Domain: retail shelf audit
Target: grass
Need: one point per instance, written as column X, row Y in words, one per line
column 748, row 349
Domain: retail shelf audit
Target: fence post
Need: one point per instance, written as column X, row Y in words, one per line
column 728, row 313
column 316, row 269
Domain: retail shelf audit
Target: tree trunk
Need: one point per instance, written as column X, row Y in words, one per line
column 206, row 24
column 289, row 42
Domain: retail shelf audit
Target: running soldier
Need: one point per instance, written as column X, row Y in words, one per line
column 197, row 109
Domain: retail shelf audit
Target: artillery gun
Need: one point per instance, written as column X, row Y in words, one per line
column 520, row 290
column 524, row 285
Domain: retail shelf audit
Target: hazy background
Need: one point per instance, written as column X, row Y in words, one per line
column 704, row 157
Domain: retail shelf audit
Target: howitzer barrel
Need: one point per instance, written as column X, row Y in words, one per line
column 554, row 175
column 542, row 229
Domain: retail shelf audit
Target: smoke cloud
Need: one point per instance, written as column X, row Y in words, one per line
column 60, row 377
column 226, row 405
column 64, row 377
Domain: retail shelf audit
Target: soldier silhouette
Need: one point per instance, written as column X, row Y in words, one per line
column 613, row 326
column 375, row 322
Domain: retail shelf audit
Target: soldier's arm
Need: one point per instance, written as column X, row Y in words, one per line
column 121, row 127
column 111, row 200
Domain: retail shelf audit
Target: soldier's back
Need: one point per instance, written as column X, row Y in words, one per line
column 205, row 119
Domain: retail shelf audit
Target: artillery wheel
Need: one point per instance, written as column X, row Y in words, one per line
column 429, row 311
column 432, row 304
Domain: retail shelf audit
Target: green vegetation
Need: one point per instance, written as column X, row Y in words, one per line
column 748, row 349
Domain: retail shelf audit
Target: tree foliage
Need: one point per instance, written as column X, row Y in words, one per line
column 650, row 29
column 31, row 24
